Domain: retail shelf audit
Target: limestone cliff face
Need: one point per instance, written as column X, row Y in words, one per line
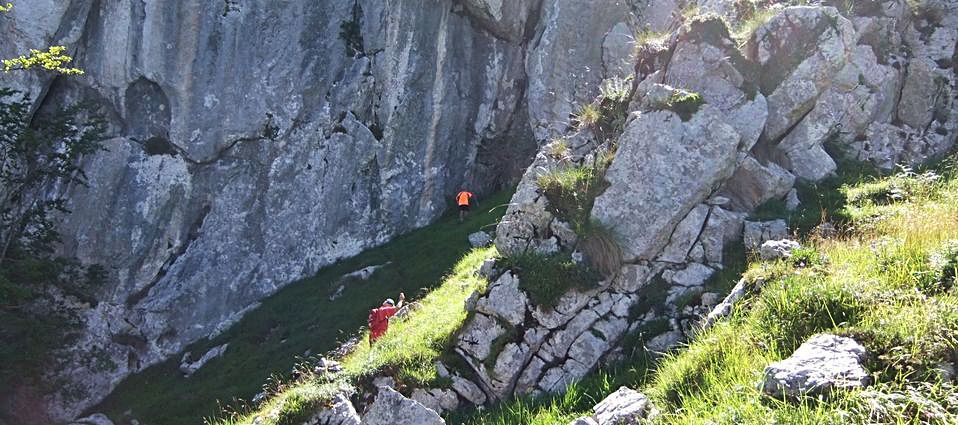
column 253, row 142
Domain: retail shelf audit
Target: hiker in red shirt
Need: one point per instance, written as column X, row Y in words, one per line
column 379, row 317
column 464, row 199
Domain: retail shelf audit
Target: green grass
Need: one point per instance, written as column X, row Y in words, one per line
column 547, row 277
column 270, row 340
column 886, row 279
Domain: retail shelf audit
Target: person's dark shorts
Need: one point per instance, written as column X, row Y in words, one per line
column 464, row 208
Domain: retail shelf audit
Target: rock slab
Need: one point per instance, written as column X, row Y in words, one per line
column 391, row 408
column 822, row 364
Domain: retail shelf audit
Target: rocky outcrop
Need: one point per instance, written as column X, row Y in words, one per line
column 739, row 129
column 239, row 162
column 694, row 156
column 391, row 408
column 822, row 364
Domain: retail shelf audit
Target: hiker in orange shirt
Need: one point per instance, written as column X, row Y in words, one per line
column 465, row 199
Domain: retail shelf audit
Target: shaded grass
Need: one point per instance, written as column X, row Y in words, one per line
column 270, row 340
column 547, row 277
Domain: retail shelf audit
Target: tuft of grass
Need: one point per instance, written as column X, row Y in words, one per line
column 588, row 116
column 272, row 339
column 559, row 149
column 601, row 248
column 571, row 192
column 683, row 103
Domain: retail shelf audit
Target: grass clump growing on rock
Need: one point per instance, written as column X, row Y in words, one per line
column 686, row 104
column 571, row 191
column 546, row 277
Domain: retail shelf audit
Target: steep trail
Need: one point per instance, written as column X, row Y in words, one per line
column 271, row 339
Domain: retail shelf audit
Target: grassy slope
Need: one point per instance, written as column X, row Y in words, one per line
column 300, row 317
column 875, row 282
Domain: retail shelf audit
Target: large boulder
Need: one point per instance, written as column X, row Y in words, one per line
column 798, row 52
column 662, row 169
column 822, row 364
column 864, row 91
column 391, row 408
column 340, row 411
column 754, row 184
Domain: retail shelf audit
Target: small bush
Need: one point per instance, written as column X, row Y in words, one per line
column 588, row 116
column 547, row 277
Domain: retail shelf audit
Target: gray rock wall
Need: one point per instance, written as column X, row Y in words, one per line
column 375, row 112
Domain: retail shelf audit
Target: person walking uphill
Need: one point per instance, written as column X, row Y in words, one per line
column 379, row 317
column 465, row 199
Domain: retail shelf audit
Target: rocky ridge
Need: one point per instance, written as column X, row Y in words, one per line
column 807, row 90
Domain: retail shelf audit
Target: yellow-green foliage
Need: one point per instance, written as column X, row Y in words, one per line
column 53, row 59
column 589, row 115
column 410, row 349
column 6, row 7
